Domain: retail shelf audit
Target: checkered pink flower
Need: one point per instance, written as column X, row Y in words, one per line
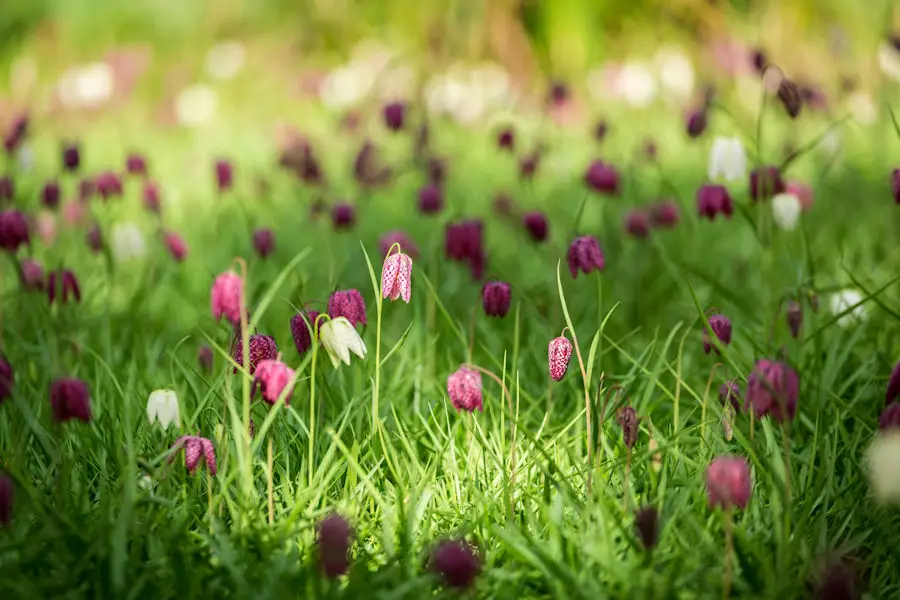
column 225, row 296
column 273, row 376
column 559, row 352
column 396, row 274
column 196, row 449
column 464, row 389
column 728, row 482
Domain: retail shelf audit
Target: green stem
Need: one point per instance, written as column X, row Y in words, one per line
column 312, row 406
column 375, row 391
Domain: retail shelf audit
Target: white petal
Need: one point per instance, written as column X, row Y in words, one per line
column 883, row 458
column 786, row 210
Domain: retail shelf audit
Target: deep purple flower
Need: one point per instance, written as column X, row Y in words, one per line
column 721, row 326
column 602, row 178
column 349, row 304
column 506, row 139
column 94, row 238
column 333, row 539
column 758, row 60
column 464, row 389
column 50, row 194
column 71, row 157
column 463, row 241
column 302, row 332
column 558, row 93
column 394, row 115
column 495, row 298
column 714, row 199
column 536, row 225
column 205, row 358
column 108, row 185
column 646, row 525
column 889, row 419
column 585, row 256
column 772, row 389
column 135, row 164
column 696, row 122
column 64, row 282
column 431, row 199
column 765, row 182
column 7, row 498
column 150, row 196
column 343, row 216
column 628, row 421
column 397, row 237
column 600, row 130
column 15, row 133
column 728, row 483
column 794, row 317
column 789, row 95
column 837, row 580
column 895, row 184
column 7, row 188
column 664, row 214
column 893, row 386
column 528, row 165
column 637, row 223
column 731, row 392
column 13, row 230
column 456, row 562
column 264, row 241
column 7, row 379
column 32, row 275
column 224, row 175
column 262, row 347
column 70, row 399
column 196, row 450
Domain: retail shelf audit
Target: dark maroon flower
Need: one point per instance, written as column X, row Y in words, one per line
column 646, row 525
column 837, row 580
column 765, row 182
column 205, row 358
column 893, row 386
column 431, row 199
column 13, row 230
column 7, row 379
column 176, row 245
column 637, row 223
column 7, row 497
column 506, row 139
column 558, row 93
column 349, row 304
column 343, row 216
column 602, row 178
column 463, row 242
column 456, row 562
column 263, row 242
column 394, row 115
column 397, row 237
column 302, row 332
column 366, row 168
column 585, row 256
column 600, row 130
column 789, row 95
column 714, row 199
column 108, row 185
column 15, row 133
column 528, row 165
column 94, row 238
column 772, row 388
column 7, row 188
column 135, row 164
column 758, row 60
column 731, row 392
column 50, row 194
column 721, row 326
column 71, row 157
column 889, row 419
column 333, row 539
column 664, row 214
column 65, row 283
column 70, row 399
column 151, row 196
column 696, row 122
column 794, row 317
column 262, row 347
column 224, row 175
column 895, row 185
column 495, row 298
column 437, row 171
column 628, row 421
column 536, row 225
column 728, row 483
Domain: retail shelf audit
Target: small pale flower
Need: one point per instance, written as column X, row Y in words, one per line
column 883, row 456
column 339, row 338
column 727, row 160
column 842, row 301
column 395, row 277
column 127, row 242
column 786, row 210
column 162, row 406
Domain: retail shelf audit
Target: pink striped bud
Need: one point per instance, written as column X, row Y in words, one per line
column 558, row 353
column 395, row 277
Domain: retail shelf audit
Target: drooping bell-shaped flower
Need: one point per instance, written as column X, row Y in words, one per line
column 196, row 450
column 892, row 393
column 637, row 224
column 602, row 178
column 70, row 399
column 333, row 539
column 790, row 97
column 727, row 160
column 730, row 393
column 464, row 389
column 32, row 275
column 772, row 389
column 786, row 209
column 396, row 277
column 765, row 182
column 339, row 338
column 794, row 316
column 224, row 173
column 176, row 245
column 64, row 283
column 225, row 297
column 50, row 195
column 71, row 157
column 664, row 214
column 301, row 330
column 646, row 525
column 506, row 139
column 343, row 216
column 431, row 199
column 728, row 483
column 261, row 347
column 628, row 421
column 536, row 225
column 456, row 562
column 394, row 115
column 273, row 377
column 135, row 164
column 13, row 230
column 264, row 241
column 713, row 200
column 108, row 185
column 559, row 351
column 696, row 121
column 150, row 196
column 721, row 326
column 348, row 304
column 585, row 256
column 495, row 298
column 162, row 406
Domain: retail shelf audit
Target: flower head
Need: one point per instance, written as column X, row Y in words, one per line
column 127, row 242
column 150, row 196
column 261, row 347
column 728, row 483
column 196, row 449
column 882, row 458
column 895, row 185
column 892, row 393
column 135, row 164
column 464, row 242
column 628, row 421
column 646, row 525
column 794, row 316
column 851, row 302
column 176, row 245
column 890, row 417
column 559, row 351
column 789, row 95
column 506, row 139
column 802, row 191
column 349, row 304
column 786, row 210
column 224, row 175
column 343, row 216
column 70, row 399
column 94, row 238
column 396, row 275
column 7, row 379
column 536, row 225
column 367, row 169
column 7, row 498
column 333, row 539
column 394, row 115
column 602, row 178
column 431, row 199
column 15, row 133
column 528, row 165
column 32, row 275
column 765, row 182
column 108, row 185
column 63, row 281
column 721, row 326
column 495, row 298
column 50, row 194
column 464, row 389
column 837, row 579
column 585, row 256
column 273, row 377
column 301, row 330
column 730, row 392
column 637, row 224
column 264, row 242
column 727, row 160
column 772, row 388
column 13, row 230
column 436, row 170
column 664, row 214
column 162, row 406
column 225, row 297
column 339, row 338
column 696, row 121
column 71, row 157
column 456, row 562
column 387, row 241
column 7, row 188
column 712, row 200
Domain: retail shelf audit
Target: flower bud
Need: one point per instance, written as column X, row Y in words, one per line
column 646, row 525
column 585, row 256
column 464, row 389
column 333, row 539
column 559, row 351
column 495, row 298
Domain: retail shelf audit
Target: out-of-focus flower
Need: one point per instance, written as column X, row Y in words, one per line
column 387, row 241
column 882, row 458
column 730, row 393
column 464, row 389
column 348, row 304
column 721, row 327
column 343, row 216
column 150, row 195
column 394, row 115
column 696, row 122
column 646, row 525
column 396, row 276
column 772, row 389
column 71, row 157
column 162, row 406
column 790, row 98
column 225, row 60
column 495, row 298
column 802, row 191
column 628, row 421
column 301, row 330
column 602, row 178
column 196, row 104
column 127, row 242
column 431, row 199
column 224, row 172
column 64, row 282
column 728, row 483
column 842, row 301
column 585, row 256
column 273, row 377
column 86, row 87
column 636, row 85
column 14, row 136
column 794, row 316
column 70, row 399
column 7, row 188
column 264, row 241
column 94, row 238
column 637, row 223
column 135, row 164
column 890, row 417
column 176, row 245
column 225, row 296
column 664, row 214
column 108, row 184
column 345, row 87
column 13, row 230
column 333, row 539
column 727, row 160
column 196, row 450
column 50, row 194
column 536, row 225
column 889, row 60
column 339, row 338
column 32, row 275
column 675, row 73
column 713, row 200
column 786, row 210
column 863, row 108
column 45, row 225
column 456, row 562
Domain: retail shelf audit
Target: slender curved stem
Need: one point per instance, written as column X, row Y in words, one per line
column 587, row 414
column 712, row 372
column 312, row 395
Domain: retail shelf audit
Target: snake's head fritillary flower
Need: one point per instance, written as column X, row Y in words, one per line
column 15, row 133
column 664, row 215
column 162, row 406
column 396, row 277
column 108, row 185
column 224, row 172
column 602, row 178
column 765, row 182
column 334, row 537
column 528, row 165
column 837, row 579
column 387, row 241
column 7, row 188
column 94, row 238
column 301, row 330
column 71, row 157
column 7, row 379
column 882, row 459
column 431, row 199
column 585, row 256
column 343, row 216
column 32, row 275
column 13, row 230
column 225, row 297
column 63, row 283
column 895, row 184
column 264, row 242
column 786, row 209
column 348, row 304
column 456, row 562
column 890, row 417
column 50, row 194
column 727, row 159
column 559, row 351
column 628, row 421
column 506, row 139
column 558, row 93
column 495, row 298
column 721, row 327
column 205, row 358
column 176, row 245
column 135, row 164
column 7, row 498
column 87, row 187
column 728, row 483
column 892, row 393
column 758, row 60
column 339, row 338
column 794, row 317
column 730, row 392
column 150, row 196
column 394, row 115
column 367, row 169
column 803, row 192
column 646, row 525
column 464, row 389
column 70, row 399
column 196, row 450
column 772, row 389
column 463, row 241
column 261, row 347
column 273, row 378
column 713, row 200
column 790, row 97
column 637, row 224
column 536, row 225
column 696, row 122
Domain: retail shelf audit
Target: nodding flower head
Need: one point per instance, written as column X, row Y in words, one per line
column 196, row 450
column 396, row 277
column 889, row 419
column 528, row 165
column 794, row 317
column 32, row 275
column 431, row 199
column 224, row 175
column 495, row 298
column 464, row 389
column 728, row 483
column 536, row 225
column 65, row 283
column 176, row 245
column 339, row 338
column 301, row 330
column 108, row 185
column 637, row 224
column 15, row 133
column 559, row 351
column 602, row 178
column 646, row 525
column 7, row 497
column 50, row 194
column 367, row 168
column 13, row 230
column 585, row 256
column 150, row 196
column 94, row 238
column 7, row 188
column 790, row 97
column 456, row 562
column 772, row 389
column 135, row 164
column 730, row 392
column 714, row 199
column 721, row 326
column 628, row 421
column 264, row 241
column 261, row 347
column 71, row 157
column 387, row 241
column 394, row 115
column 225, row 297
column 765, row 182
column 464, row 242
column 343, row 216
column 895, row 185
column 70, row 399
column 348, row 304
column 333, row 539
column 205, row 358
column 758, row 60
column 503, row 205
column 273, row 377
column 7, row 379
column 696, row 122
column 892, row 392
column 558, row 92
column 664, row 215
column 506, row 139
